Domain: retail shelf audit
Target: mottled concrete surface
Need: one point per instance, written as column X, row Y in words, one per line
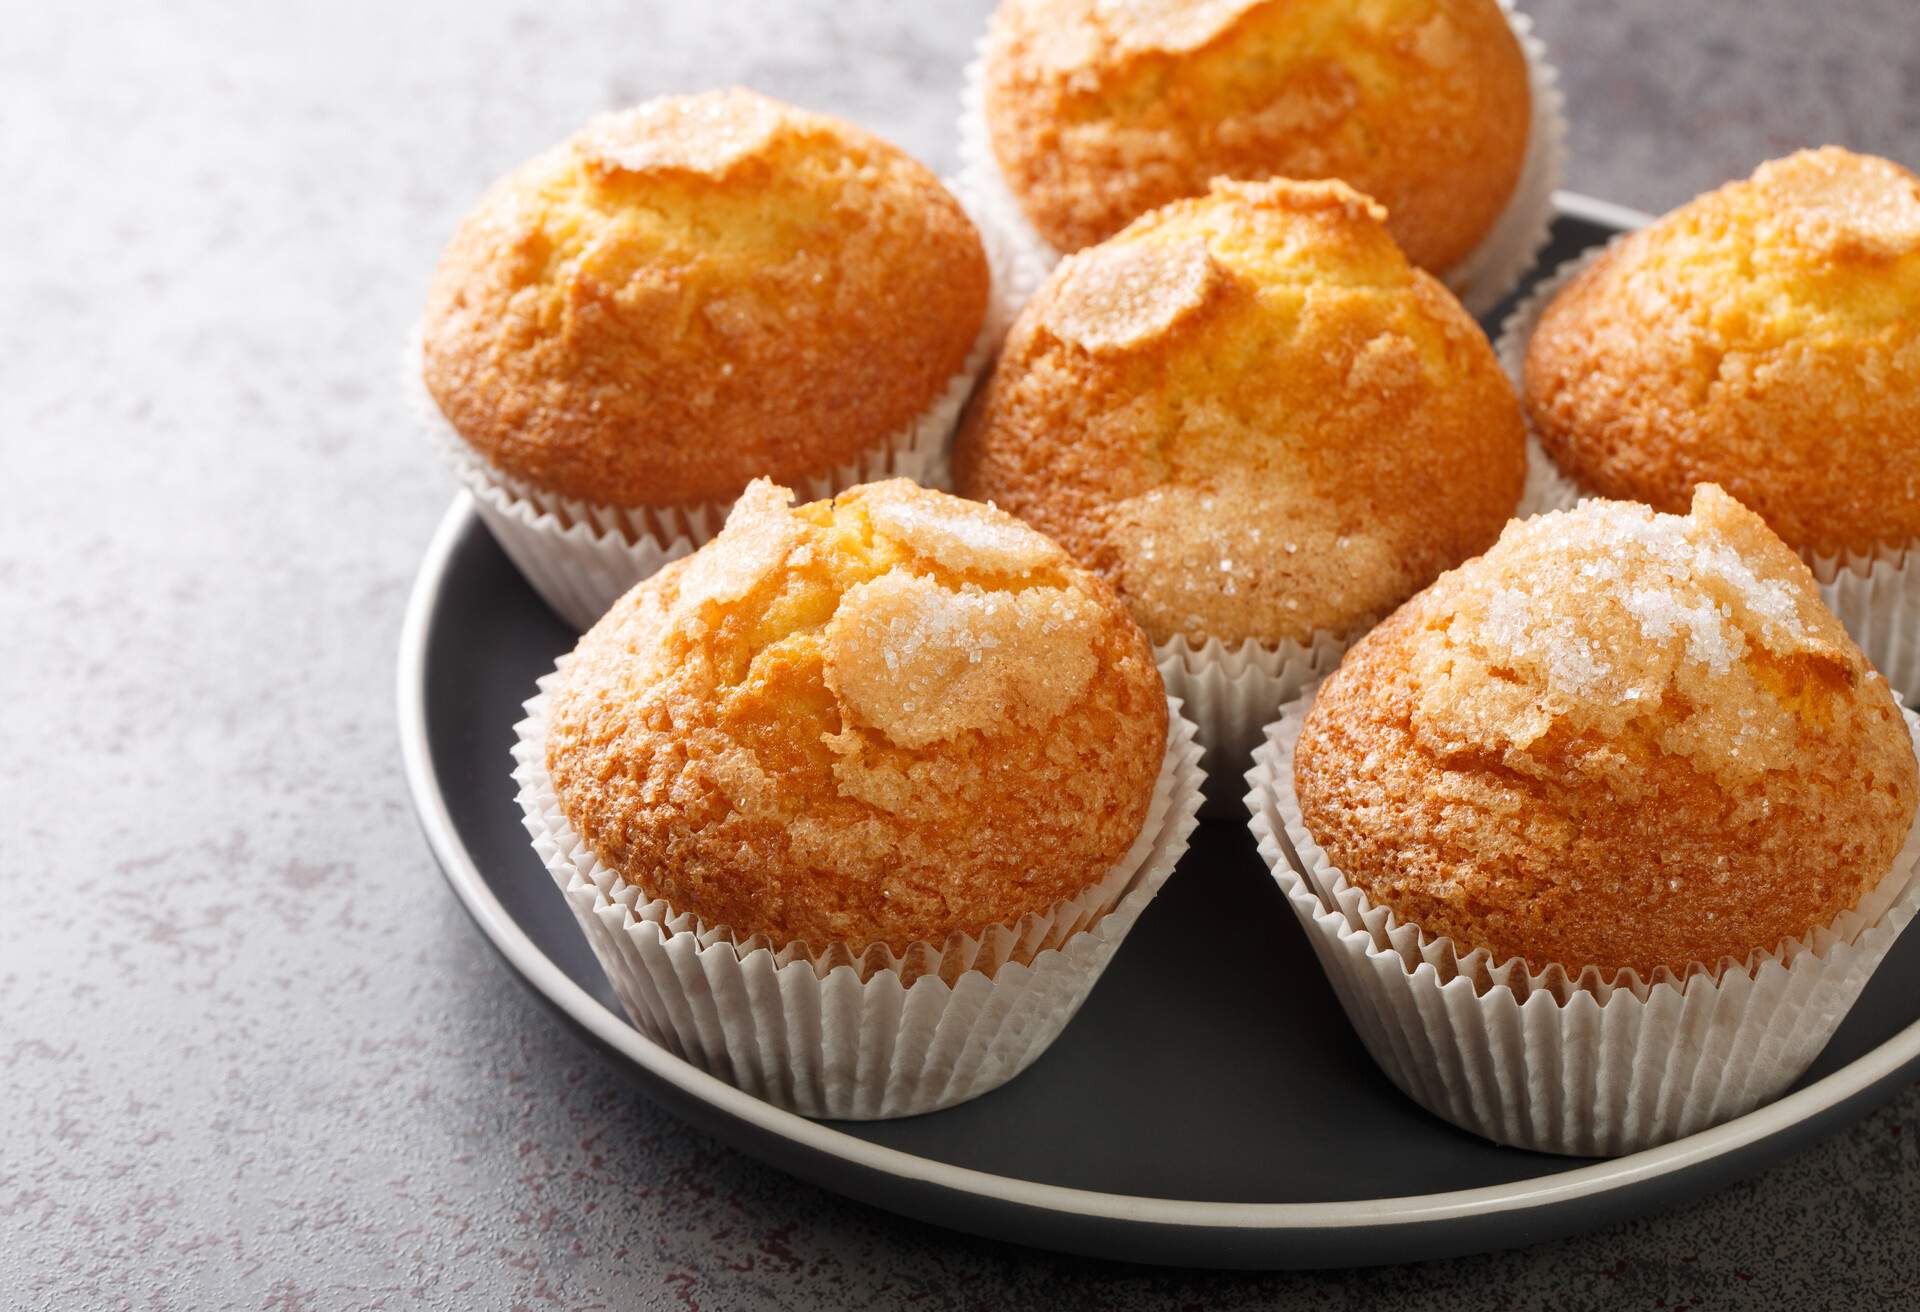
column 251, row 1054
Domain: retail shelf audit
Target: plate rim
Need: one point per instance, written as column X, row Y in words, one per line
column 614, row 1032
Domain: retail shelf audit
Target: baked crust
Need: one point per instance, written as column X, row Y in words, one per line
column 1252, row 416
column 1766, row 337
column 888, row 718
column 696, row 292
column 1098, row 113
column 1618, row 739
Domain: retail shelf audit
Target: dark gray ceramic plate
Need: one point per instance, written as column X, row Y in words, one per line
column 1206, row 1107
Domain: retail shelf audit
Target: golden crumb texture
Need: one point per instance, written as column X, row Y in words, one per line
column 1252, row 415
column 1620, row 739
column 1766, row 337
column 693, row 293
column 1098, row 112
column 888, row 718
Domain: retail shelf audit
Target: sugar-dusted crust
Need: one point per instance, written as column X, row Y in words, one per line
column 1099, row 112
column 1618, row 739
column 1765, row 336
column 884, row 719
column 1252, row 416
column 696, row 292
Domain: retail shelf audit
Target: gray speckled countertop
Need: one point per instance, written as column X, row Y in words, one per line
column 252, row 1054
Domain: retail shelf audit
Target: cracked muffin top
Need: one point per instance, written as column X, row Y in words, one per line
column 1765, row 337
column 1098, row 112
column 888, row 718
column 1252, row 416
column 1620, row 739
column 696, row 292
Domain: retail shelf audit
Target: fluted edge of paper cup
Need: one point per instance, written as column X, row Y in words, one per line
column 835, row 1031
column 1481, row 280
column 1497, row 265
column 1583, row 1065
column 1876, row 596
column 1548, row 487
column 1231, row 692
column 984, row 191
column 581, row 557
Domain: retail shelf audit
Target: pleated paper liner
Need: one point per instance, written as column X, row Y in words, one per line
column 1485, row 277
column 1547, row 487
column 581, row 557
column 1560, row 1063
column 1231, row 692
column 1877, row 597
column 846, row 1031
column 1876, row 594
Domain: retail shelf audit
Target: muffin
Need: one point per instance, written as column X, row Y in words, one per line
column 1619, row 739
column 1623, row 760
column 1096, row 113
column 693, row 293
column 1766, row 337
column 1255, row 418
column 898, row 737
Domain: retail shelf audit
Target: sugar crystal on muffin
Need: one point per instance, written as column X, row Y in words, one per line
column 1251, row 415
column 889, row 718
column 1620, row 739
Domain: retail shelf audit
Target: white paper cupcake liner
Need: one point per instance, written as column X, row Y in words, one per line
column 1482, row 280
column 1548, row 488
column 1877, row 598
column 834, row 1032
column 1231, row 692
column 1578, row 1065
column 1876, row 595
column 581, row 557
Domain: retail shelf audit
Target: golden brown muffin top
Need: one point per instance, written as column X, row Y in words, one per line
column 1618, row 739
column 887, row 718
column 698, row 291
column 1098, row 112
column 1765, row 336
column 1252, row 416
